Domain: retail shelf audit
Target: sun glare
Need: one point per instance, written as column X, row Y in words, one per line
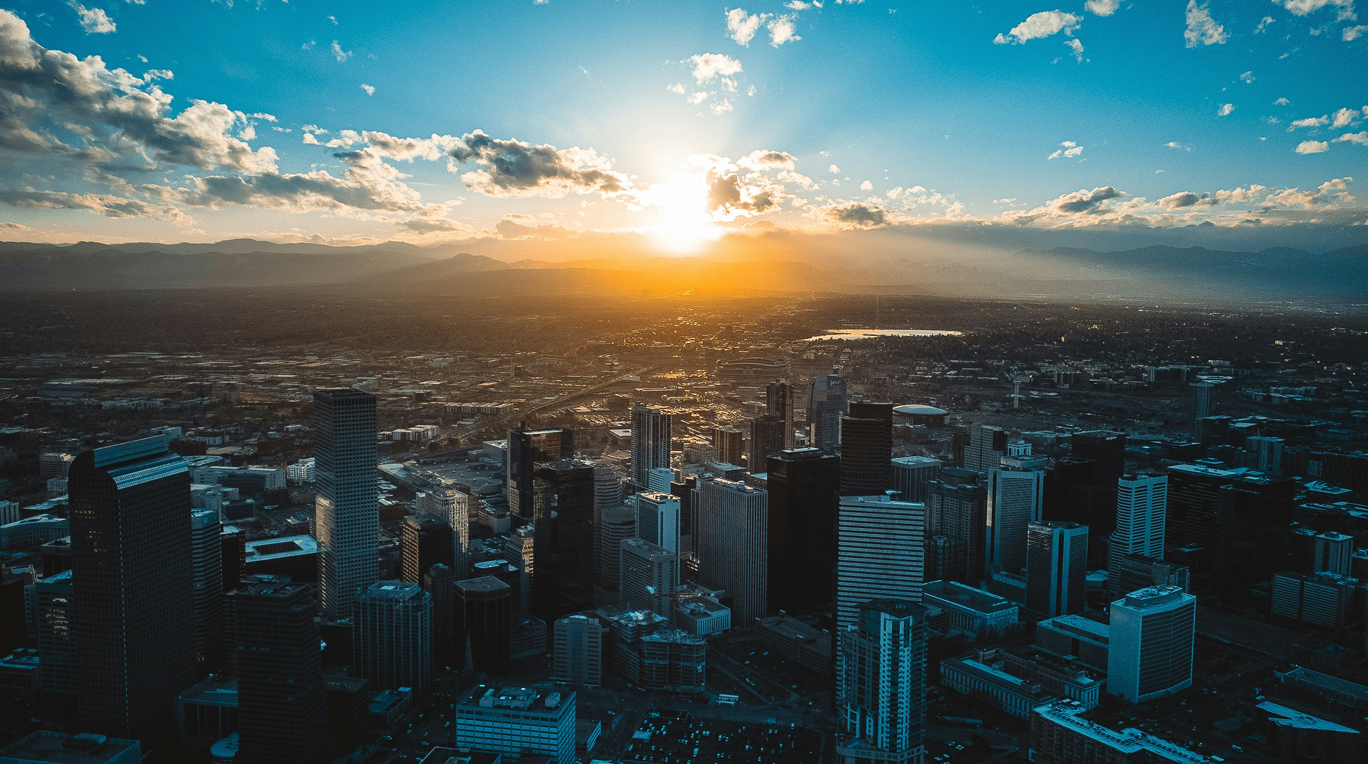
column 679, row 220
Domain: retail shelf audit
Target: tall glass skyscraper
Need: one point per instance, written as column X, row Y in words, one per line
column 779, row 402
column 825, row 406
column 867, row 449
column 883, row 685
column 1056, row 567
column 650, row 442
column 526, row 449
column 132, row 570
column 347, row 514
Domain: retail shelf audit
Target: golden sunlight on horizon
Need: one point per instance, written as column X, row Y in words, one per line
column 679, row 222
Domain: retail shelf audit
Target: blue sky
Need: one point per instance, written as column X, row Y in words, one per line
column 873, row 114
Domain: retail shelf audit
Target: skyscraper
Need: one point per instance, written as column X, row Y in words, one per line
column 484, row 609
column 132, row 565
column 54, row 606
column 393, row 633
column 987, row 446
column 1015, row 494
column 1200, row 405
column 804, row 487
column 658, row 520
column 526, row 448
column 424, row 541
column 282, row 700
column 867, row 449
column 617, row 525
column 957, row 509
column 347, row 514
column 650, row 442
column 1150, row 647
column 649, row 575
column 439, row 582
column 1141, row 509
column 729, row 444
column 453, row 503
column 733, row 530
column 911, row 474
column 779, row 402
column 882, row 685
column 207, row 564
column 1106, row 449
column 767, row 439
column 1056, row 567
column 565, row 491
column 1266, row 453
column 881, row 554
column 577, row 652
column 826, row 406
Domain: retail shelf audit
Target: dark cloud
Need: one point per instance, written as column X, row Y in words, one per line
column 515, row 168
column 855, row 215
column 1185, row 199
column 1085, row 201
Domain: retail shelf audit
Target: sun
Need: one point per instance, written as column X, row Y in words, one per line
column 679, row 221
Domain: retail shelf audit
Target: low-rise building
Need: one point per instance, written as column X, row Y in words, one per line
column 1060, row 735
column 517, row 721
column 988, row 683
column 60, row 748
column 800, row 643
column 207, row 712
column 1073, row 636
column 975, row 612
column 1320, row 599
column 1295, row 735
column 702, row 616
column 673, row 661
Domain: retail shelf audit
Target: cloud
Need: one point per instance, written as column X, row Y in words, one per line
column 1295, row 197
column 1281, row 102
column 1361, row 138
column 709, row 66
column 1247, row 77
column 370, row 89
column 1040, row 25
column 741, row 26
column 767, row 159
column 1076, row 47
column 101, row 204
column 782, row 30
column 677, row 88
column 720, row 107
column 1312, row 147
column 1102, row 7
column 1084, row 202
column 338, row 53
column 866, row 186
column 1201, row 28
column 1225, row 110
column 516, row 168
column 697, row 98
column 1263, row 25
column 1177, row 145
column 848, row 215
column 1070, row 150
column 1353, row 33
column 1320, row 121
column 1186, row 199
column 1305, row 7
column 514, row 226
column 1346, row 117
column 93, row 20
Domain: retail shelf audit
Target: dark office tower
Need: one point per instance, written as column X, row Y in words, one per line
column 767, row 439
column 911, row 474
column 867, row 449
column 1253, row 532
column 392, row 641
column 347, row 516
column 233, row 543
column 230, row 629
column 133, row 569
column 729, row 444
column 1196, row 506
column 945, row 558
column 650, row 442
column 957, row 508
column 566, row 538
column 803, row 499
column 684, row 492
column 282, row 700
column 1056, row 568
column 779, row 402
column 424, row 541
column 440, row 584
column 882, row 687
column 484, row 609
column 987, row 446
column 207, row 560
column 1106, row 450
column 825, row 408
column 1200, row 405
column 525, row 449
column 53, row 605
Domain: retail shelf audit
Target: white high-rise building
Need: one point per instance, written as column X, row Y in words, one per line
column 1141, row 511
column 347, row 514
column 650, row 442
column 1015, row 497
column 880, row 554
column 882, row 685
column 658, row 521
column 1151, row 643
column 455, row 506
column 659, row 479
column 649, row 575
column 733, row 545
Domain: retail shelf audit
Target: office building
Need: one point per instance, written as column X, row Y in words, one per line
column 577, row 654
column 1106, row 449
column 977, row 613
column 527, row 448
column 282, row 701
column 658, row 520
column 1265, row 454
column 867, row 449
column 1056, row 567
column 985, row 680
column 440, row 583
column 1330, row 553
column 1060, row 735
column 729, row 445
column 881, row 690
column 659, row 479
column 826, row 407
column 1141, row 514
column 608, row 489
column 484, row 607
column 1201, row 402
column 1015, row 496
column 803, row 486
column 519, row 549
column 207, row 566
column 453, row 504
column 1136, row 571
column 733, row 529
column 1195, row 504
column 347, row 518
column 779, row 402
column 701, row 616
column 616, row 525
column 649, row 576
column 797, row 641
column 880, row 555
column 424, row 541
column 767, row 439
column 1294, row 734
column 987, row 445
column 911, row 474
column 1153, row 632
column 53, row 605
column 61, row 748
column 132, row 563
column 207, row 713
column 517, row 721
column 293, row 556
column 1077, row 638
column 650, row 442
column 233, row 551
column 1320, row 599
column 957, row 509
column 393, row 632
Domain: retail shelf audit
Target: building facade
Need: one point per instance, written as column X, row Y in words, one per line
column 392, row 641
column 346, row 511
column 1153, row 632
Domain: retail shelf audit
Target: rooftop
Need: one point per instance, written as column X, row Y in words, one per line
column 520, row 698
column 276, row 548
column 1077, row 624
column 68, row 749
column 1327, row 682
column 1283, row 716
column 954, row 593
column 1066, row 713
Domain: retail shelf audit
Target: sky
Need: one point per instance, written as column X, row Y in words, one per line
column 670, row 126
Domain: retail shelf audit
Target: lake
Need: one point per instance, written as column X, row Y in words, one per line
column 869, row 334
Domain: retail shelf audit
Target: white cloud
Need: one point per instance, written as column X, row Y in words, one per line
column 1201, row 28
column 1281, row 102
column 708, row 66
column 370, row 89
column 695, row 99
column 1312, row 147
column 834, row 170
column 799, row 5
column 1102, row 7
column 1353, row 33
column 742, row 26
column 677, row 88
column 333, row 19
column 1185, row 200
column 93, row 20
column 720, row 107
column 1320, row 121
column 1070, row 150
column 338, row 53
column 1225, row 110
column 1263, row 25
column 1077, row 48
column 1177, row 145
column 866, row 186
column 159, row 74
column 1304, row 7
column 782, row 30
column 1040, row 25
column 1247, row 77
column 1361, row 138
column 1346, row 117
